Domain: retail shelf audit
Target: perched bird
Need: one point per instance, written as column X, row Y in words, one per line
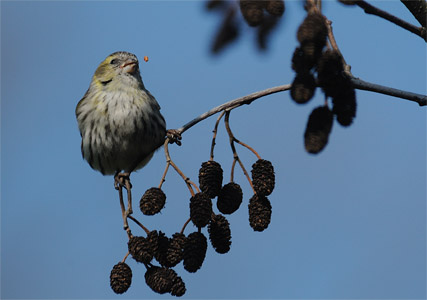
column 119, row 120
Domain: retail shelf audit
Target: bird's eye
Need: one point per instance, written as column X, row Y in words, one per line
column 113, row 61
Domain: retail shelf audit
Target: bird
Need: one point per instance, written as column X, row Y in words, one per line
column 118, row 118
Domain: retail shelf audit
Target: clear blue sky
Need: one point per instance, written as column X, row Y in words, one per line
column 348, row 223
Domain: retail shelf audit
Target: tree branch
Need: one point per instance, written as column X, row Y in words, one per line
column 358, row 84
column 233, row 104
column 370, row 9
column 372, row 87
column 418, row 9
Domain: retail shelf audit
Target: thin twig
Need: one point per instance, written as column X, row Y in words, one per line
column 233, row 148
column 232, row 170
column 187, row 180
column 124, row 258
column 334, row 45
column 185, row 225
column 370, row 9
column 215, row 131
column 164, row 175
column 248, row 147
column 139, row 224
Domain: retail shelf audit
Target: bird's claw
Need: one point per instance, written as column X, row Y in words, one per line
column 174, row 136
column 120, row 180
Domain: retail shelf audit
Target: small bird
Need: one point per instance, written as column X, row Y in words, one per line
column 119, row 120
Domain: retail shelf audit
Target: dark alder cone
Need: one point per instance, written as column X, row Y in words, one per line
column 140, row 249
column 265, row 29
column 313, row 29
column 210, row 178
column 160, row 253
column 178, row 286
column 194, row 251
column 301, row 63
column 303, row 87
column 163, row 280
column 120, row 278
column 153, row 240
column 227, row 33
column 319, row 126
column 176, row 249
column 252, row 11
column 220, row 234
column 275, row 7
column 230, row 198
column 259, row 212
column 214, row 4
column 200, row 209
column 330, row 73
column 152, row 201
column 344, row 107
column 312, row 52
column 263, row 178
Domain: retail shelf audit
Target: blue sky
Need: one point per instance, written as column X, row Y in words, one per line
column 347, row 223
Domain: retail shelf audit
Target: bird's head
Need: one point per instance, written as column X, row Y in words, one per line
column 121, row 67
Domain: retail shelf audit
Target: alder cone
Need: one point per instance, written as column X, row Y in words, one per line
column 252, row 11
column 220, row 234
column 163, row 280
column 259, row 212
column 160, row 253
column 330, row 74
column 227, row 32
column 313, row 29
column 263, row 177
column 210, row 178
column 200, row 209
column 230, row 198
column 303, row 87
column 275, row 7
column 318, row 128
column 152, row 201
column 140, row 249
column 344, row 107
column 300, row 63
column 120, row 278
column 175, row 251
column 194, row 251
column 264, row 30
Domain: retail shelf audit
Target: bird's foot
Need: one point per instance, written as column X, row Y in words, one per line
column 122, row 180
column 174, row 136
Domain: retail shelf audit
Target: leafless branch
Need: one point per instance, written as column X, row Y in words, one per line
column 372, row 87
column 370, row 9
column 248, row 99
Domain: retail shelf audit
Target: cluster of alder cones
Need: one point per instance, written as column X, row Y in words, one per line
column 191, row 249
column 314, row 67
column 310, row 59
column 262, row 15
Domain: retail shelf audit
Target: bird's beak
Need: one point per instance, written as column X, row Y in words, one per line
column 129, row 66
